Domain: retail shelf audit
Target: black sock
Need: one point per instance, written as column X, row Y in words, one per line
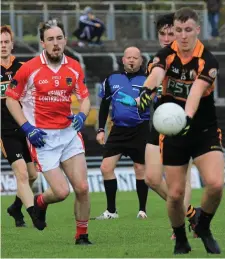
column 142, row 192
column 18, row 203
column 205, row 219
column 110, row 190
column 180, row 233
column 190, row 211
column 30, row 210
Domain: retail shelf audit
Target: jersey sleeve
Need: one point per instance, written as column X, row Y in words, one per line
column 105, row 89
column 81, row 90
column 162, row 58
column 208, row 68
column 18, row 85
column 149, row 67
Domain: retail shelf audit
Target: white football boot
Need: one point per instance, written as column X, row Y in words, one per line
column 141, row 215
column 108, row 215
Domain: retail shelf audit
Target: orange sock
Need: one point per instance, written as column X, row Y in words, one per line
column 41, row 203
column 82, row 226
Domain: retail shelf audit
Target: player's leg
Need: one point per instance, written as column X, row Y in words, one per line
column 13, row 144
column 154, row 170
column 110, row 183
column 208, row 157
column 135, row 149
column 142, row 189
column 211, row 168
column 192, row 213
column 176, row 180
column 76, row 170
column 32, row 173
column 58, row 191
column 175, row 157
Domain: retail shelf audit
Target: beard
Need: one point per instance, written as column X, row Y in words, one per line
column 54, row 59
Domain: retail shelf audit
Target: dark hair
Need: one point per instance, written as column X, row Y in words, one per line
column 164, row 20
column 186, row 13
column 7, row 29
column 48, row 25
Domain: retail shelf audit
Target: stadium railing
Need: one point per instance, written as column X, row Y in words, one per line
column 220, row 101
column 25, row 16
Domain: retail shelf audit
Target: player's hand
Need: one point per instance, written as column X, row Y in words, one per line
column 98, row 25
column 145, row 98
column 77, row 120
column 126, row 99
column 34, row 135
column 101, row 137
column 187, row 127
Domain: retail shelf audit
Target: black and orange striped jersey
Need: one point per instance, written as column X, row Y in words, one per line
column 7, row 73
column 180, row 75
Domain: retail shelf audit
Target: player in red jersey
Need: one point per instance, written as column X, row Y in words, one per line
column 44, row 86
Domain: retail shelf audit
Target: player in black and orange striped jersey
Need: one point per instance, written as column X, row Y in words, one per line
column 13, row 142
column 187, row 71
column 153, row 166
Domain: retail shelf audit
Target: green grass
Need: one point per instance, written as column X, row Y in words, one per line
column 125, row 237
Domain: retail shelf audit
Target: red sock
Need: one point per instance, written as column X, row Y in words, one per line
column 82, row 226
column 41, row 203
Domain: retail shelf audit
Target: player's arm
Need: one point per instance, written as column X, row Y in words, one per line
column 153, row 81
column 202, row 84
column 16, row 111
column 15, row 92
column 198, row 89
column 82, row 94
column 105, row 94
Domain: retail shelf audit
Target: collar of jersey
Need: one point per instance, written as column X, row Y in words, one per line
column 199, row 47
column 45, row 61
column 138, row 73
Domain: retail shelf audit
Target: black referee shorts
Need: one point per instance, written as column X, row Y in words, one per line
column 178, row 150
column 14, row 146
column 128, row 142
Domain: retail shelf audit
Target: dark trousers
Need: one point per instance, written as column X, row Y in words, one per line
column 88, row 33
column 214, row 22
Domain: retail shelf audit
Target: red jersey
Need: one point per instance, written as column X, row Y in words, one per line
column 45, row 92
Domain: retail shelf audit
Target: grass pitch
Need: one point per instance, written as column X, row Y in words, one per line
column 126, row 237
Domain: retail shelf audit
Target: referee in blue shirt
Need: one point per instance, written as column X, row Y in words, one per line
column 128, row 135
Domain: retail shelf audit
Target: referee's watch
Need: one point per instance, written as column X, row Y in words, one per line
column 100, row 130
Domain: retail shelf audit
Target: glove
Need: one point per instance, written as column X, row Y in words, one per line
column 77, row 120
column 34, row 135
column 145, row 98
column 187, row 127
column 126, row 99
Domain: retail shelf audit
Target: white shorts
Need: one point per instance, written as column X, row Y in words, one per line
column 61, row 144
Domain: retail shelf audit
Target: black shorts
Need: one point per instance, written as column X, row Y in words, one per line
column 14, row 146
column 153, row 137
column 128, row 142
column 178, row 150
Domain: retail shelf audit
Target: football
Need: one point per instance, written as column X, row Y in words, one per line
column 169, row 119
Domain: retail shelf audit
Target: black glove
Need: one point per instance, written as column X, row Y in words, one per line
column 187, row 127
column 145, row 98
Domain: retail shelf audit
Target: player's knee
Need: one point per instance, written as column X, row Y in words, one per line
column 106, row 169
column 33, row 176
column 176, row 194
column 215, row 185
column 152, row 182
column 62, row 194
column 21, row 175
column 82, row 189
column 139, row 171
